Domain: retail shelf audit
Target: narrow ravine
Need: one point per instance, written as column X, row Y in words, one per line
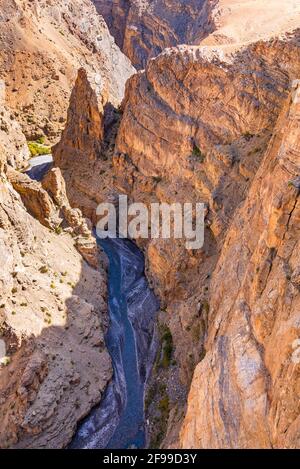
column 119, row 420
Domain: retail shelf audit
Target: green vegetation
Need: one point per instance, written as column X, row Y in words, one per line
column 197, row 332
column 5, row 361
column 38, row 147
column 198, row 154
column 58, row 230
column 167, row 347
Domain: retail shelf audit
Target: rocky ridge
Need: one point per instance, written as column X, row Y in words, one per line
column 243, row 394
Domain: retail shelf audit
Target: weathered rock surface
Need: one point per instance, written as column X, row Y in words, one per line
column 80, row 228
column 82, row 153
column 245, row 392
column 14, row 151
column 143, row 28
column 43, row 44
column 52, row 315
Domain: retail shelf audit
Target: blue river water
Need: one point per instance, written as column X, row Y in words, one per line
column 119, row 420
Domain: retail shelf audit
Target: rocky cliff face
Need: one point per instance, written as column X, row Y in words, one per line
column 53, row 365
column 43, row 44
column 143, row 28
column 216, row 116
column 244, row 392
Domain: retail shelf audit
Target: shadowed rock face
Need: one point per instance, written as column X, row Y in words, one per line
column 143, row 28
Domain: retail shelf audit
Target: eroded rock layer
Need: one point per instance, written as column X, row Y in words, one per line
column 143, row 28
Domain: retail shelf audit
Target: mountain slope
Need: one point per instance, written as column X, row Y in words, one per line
column 42, row 45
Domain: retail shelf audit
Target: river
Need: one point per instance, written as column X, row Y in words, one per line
column 119, row 420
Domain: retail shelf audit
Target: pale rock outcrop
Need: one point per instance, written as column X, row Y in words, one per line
column 85, row 242
column 15, row 151
column 144, row 28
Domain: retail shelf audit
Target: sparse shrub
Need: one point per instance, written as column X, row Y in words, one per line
column 247, row 136
column 164, row 405
column 198, row 154
column 37, row 149
column 167, row 349
column 44, row 269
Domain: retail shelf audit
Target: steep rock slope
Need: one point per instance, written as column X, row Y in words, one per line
column 53, row 365
column 42, row 45
column 143, row 28
column 245, row 392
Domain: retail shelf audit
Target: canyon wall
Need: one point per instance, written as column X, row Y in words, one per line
column 42, row 45
column 144, row 28
column 245, row 392
column 54, row 365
